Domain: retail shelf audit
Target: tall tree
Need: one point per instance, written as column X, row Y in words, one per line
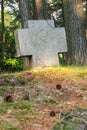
column 3, row 27
column 34, row 10
column 41, row 9
column 45, row 10
column 24, row 10
column 25, row 15
column 75, row 32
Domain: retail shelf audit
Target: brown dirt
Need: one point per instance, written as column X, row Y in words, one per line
column 72, row 95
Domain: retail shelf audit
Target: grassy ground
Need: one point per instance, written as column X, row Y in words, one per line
column 44, row 99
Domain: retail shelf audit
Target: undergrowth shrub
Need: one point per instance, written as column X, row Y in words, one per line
column 12, row 65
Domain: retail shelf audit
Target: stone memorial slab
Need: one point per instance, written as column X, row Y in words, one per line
column 41, row 42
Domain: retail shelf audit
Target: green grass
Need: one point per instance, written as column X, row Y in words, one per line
column 22, row 105
column 21, row 109
column 8, row 126
column 22, row 116
column 50, row 101
column 6, row 89
column 61, row 69
column 71, row 121
column 82, row 74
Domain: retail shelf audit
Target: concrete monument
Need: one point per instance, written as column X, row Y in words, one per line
column 41, row 42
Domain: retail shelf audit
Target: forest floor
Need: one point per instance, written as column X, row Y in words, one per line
column 53, row 98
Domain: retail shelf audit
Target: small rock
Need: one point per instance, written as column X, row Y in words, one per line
column 82, row 127
column 14, row 81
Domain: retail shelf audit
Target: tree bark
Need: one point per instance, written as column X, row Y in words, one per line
column 34, row 10
column 39, row 8
column 42, row 12
column 3, row 28
column 46, row 14
column 24, row 10
column 25, row 15
column 75, row 32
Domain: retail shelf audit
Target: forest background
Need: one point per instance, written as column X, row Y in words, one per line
column 11, row 18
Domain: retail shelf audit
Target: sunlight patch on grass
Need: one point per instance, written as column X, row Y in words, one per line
column 81, row 74
column 65, row 71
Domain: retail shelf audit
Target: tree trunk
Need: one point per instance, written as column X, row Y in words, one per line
column 25, row 15
column 75, row 32
column 39, row 8
column 42, row 12
column 3, row 28
column 24, row 10
column 46, row 14
column 34, row 10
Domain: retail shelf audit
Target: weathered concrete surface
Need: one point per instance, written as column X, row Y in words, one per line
column 41, row 41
